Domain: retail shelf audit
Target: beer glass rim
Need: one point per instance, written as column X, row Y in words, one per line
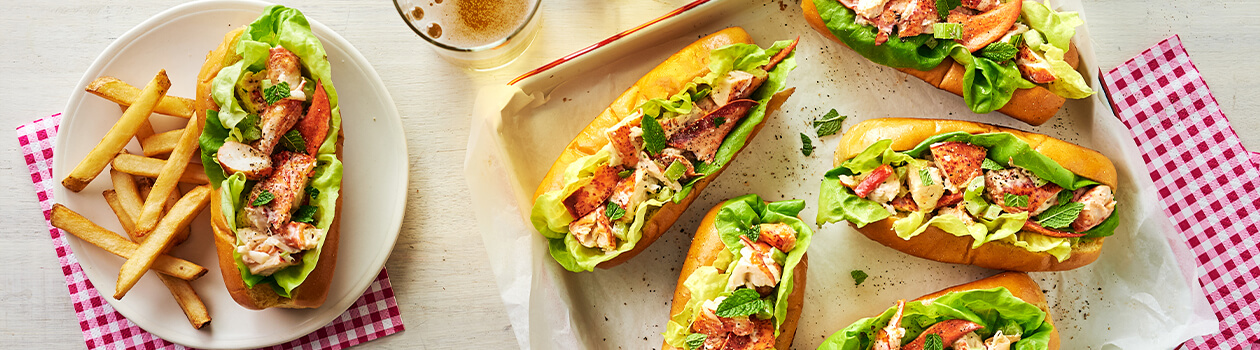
column 535, row 3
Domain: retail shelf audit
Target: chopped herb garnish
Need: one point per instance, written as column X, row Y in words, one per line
column 1000, row 51
column 944, row 6
column 249, row 128
column 933, row 342
column 312, row 192
column 293, row 141
column 807, row 145
column 989, row 164
column 753, row 232
column 695, row 340
column 719, row 121
column 742, row 302
column 1015, row 201
column 926, row 177
column 829, row 124
column 263, row 198
column 625, row 173
column 305, row 213
column 859, row 276
column 614, row 211
column 277, row 92
column 653, row 135
column 1061, row 215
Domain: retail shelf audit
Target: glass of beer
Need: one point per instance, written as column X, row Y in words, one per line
column 477, row 34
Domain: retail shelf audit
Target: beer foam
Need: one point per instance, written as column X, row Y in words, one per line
column 473, row 23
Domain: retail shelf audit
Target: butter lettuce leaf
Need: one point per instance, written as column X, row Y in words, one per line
column 287, row 27
column 708, row 282
column 993, row 309
column 551, row 219
column 1068, row 83
column 1057, row 27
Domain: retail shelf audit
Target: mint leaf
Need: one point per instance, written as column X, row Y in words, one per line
column 989, row 164
column 1015, row 201
column 263, row 198
column 1065, row 196
column 742, row 302
column 999, row 51
column 1060, row 216
column 614, row 211
column 944, row 6
column 753, row 232
column 305, row 213
column 625, row 173
column 719, row 121
column 249, row 128
column 947, row 30
column 653, row 135
column 859, row 276
column 926, row 177
column 933, row 342
column 695, row 340
column 312, row 192
column 293, row 141
column 275, row 93
column 829, row 124
column 807, row 145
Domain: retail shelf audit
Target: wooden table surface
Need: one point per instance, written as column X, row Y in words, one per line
column 438, row 267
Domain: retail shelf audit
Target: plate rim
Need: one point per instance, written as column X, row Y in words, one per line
column 145, row 27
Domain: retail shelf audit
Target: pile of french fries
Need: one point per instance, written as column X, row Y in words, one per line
column 145, row 195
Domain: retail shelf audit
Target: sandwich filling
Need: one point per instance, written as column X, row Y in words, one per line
column 740, row 301
column 990, row 187
column 657, row 153
column 1004, row 45
column 271, row 148
column 985, row 319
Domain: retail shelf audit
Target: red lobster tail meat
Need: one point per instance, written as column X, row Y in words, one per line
column 916, row 17
column 778, row 235
column 783, row 54
column 314, row 126
column 703, row 136
column 592, row 196
column 276, row 120
column 287, row 184
column 959, row 160
column 1032, row 226
column 873, row 180
column 949, row 331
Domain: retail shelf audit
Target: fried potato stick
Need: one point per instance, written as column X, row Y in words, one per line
column 152, row 167
column 168, row 179
column 179, row 217
column 118, row 135
column 161, row 143
column 118, row 91
column 79, row 226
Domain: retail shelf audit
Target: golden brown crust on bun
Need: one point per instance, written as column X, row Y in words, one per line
column 1019, row 284
column 314, row 290
column 666, row 79
column 705, row 247
column 1033, row 106
column 935, row 244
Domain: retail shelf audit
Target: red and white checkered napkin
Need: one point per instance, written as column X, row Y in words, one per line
column 1209, row 184
column 373, row 316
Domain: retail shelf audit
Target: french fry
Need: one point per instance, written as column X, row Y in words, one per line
column 120, row 92
column 118, row 135
column 179, row 217
column 168, row 179
column 181, row 290
column 146, row 128
column 162, row 143
column 145, row 188
column 151, row 167
column 79, row 226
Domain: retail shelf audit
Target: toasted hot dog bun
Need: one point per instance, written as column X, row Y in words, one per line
column 1033, row 106
column 939, row 245
column 314, row 289
column 665, row 80
column 1020, row 285
column 705, row 248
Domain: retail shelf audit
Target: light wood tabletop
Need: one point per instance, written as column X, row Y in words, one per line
column 439, row 268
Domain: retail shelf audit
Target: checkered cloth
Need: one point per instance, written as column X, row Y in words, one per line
column 373, row 316
column 1209, row 184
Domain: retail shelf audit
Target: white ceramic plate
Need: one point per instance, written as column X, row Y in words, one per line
column 373, row 189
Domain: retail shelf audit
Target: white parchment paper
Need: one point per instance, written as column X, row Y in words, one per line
column 1140, row 294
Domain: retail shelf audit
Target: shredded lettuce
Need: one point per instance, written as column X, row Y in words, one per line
column 837, row 202
column 993, row 309
column 549, row 215
column 277, row 26
column 708, row 282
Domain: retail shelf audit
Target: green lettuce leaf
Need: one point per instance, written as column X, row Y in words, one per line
column 1057, row 27
column 707, row 282
column 277, row 26
column 1004, row 146
column 550, row 217
column 1068, row 83
column 993, row 309
column 988, row 85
